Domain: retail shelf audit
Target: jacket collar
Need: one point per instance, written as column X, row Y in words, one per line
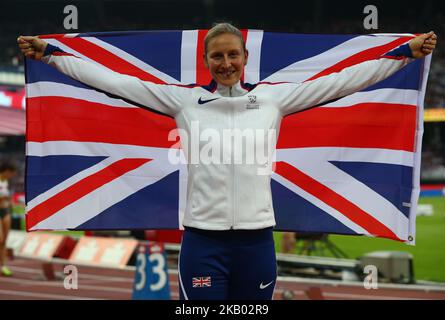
column 234, row 91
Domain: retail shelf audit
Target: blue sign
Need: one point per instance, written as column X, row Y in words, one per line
column 151, row 277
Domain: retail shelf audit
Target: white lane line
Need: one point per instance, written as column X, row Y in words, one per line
column 84, row 276
column 59, row 284
column 81, row 275
column 43, row 295
column 350, row 295
column 340, row 283
column 366, row 297
column 294, row 292
column 130, row 278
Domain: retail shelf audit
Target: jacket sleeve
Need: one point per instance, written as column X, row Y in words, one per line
column 296, row 97
column 166, row 99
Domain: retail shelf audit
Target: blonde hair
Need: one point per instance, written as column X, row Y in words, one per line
column 222, row 28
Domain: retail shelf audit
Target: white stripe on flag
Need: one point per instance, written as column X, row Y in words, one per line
column 305, row 69
column 70, row 35
column 46, row 89
column 114, row 152
column 188, row 56
column 253, row 45
column 54, row 89
column 94, row 149
column 67, row 49
column 106, row 196
column 397, row 157
column 68, row 183
column 320, row 204
column 133, row 60
column 394, row 35
column 396, row 96
column 316, row 165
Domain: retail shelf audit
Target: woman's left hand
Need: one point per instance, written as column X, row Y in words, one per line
column 423, row 45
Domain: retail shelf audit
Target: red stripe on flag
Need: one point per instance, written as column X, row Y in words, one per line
column 369, row 54
column 393, row 58
column 203, row 76
column 80, row 189
column 59, row 53
column 334, row 200
column 364, row 125
column 108, row 59
column 61, row 118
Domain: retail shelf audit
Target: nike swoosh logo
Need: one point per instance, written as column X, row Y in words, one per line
column 200, row 101
column 264, row 286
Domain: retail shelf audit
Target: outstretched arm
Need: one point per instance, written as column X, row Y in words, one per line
column 166, row 99
column 297, row 97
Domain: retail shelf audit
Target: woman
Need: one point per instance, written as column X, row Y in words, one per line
column 227, row 250
column 7, row 172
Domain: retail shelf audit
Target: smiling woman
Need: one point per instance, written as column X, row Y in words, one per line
column 225, row 54
column 228, row 249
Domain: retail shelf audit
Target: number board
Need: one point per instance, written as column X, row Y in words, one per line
column 151, row 276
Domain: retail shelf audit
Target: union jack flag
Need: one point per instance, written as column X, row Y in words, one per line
column 200, row 282
column 350, row 166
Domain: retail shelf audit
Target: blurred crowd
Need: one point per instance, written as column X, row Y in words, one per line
column 433, row 164
column 12, row 150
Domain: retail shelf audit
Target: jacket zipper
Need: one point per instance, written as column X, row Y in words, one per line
column 233, row 162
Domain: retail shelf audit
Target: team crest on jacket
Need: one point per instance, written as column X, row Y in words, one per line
column 252, row 102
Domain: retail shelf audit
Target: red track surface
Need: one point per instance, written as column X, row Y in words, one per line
column 28, row 282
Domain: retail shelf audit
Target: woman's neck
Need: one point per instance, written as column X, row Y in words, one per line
column 231, row 91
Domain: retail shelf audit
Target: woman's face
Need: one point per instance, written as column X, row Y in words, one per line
column 226, row 59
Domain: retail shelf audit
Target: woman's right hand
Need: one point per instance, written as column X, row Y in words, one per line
column 32, row 47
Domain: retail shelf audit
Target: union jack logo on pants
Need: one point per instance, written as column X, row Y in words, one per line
column 200, row 282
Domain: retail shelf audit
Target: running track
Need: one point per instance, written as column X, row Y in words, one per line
column 98, row 283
